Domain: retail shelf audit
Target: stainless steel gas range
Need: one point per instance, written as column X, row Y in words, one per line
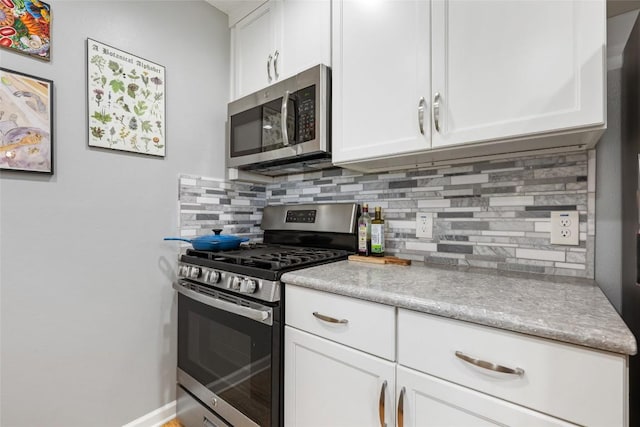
column 230, row 314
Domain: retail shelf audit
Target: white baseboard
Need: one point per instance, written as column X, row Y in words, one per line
column 155, row 418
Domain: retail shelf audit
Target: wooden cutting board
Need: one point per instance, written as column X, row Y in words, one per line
column 380, row 260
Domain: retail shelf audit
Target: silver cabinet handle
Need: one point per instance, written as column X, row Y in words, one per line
column 329, row 319
column 269, row 59
column 283, row 120
column 383, row 395
column 421, row 105
column 275, row 64
column 488, row 365
column 401, row 408
column 436, row 111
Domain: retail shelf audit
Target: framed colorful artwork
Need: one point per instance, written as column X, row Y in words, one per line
column 126, row 101
column 26, row 122
column 25, row 27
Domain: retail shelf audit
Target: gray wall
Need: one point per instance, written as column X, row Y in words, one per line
column 87, row 309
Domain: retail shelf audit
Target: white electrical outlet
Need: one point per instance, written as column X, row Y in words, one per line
column 565, row 228
column 424, row 225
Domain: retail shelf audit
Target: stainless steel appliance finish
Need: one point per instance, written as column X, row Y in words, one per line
column 212, row 298
column 230, row 324
column 330, row 218
column 192, row 413
column 285, row 124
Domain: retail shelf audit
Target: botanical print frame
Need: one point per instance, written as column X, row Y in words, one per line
column 125, row 101
column 26, row 122
column 25, row 27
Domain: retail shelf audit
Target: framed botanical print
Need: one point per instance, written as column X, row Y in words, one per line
column 126, row 101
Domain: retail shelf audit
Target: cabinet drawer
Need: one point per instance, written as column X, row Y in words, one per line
column 365, row 325
column 571, row 382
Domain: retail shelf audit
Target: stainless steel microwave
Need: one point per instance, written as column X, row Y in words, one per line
column 283, row 128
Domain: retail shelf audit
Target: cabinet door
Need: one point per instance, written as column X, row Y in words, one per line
column 306, row 37
column 508, row 69
column 255, row 39
column 328, row 384
column 380, row 73
column 428, row 401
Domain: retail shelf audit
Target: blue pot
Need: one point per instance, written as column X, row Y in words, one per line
column 213, row 242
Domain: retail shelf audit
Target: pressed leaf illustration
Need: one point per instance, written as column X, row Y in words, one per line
column 116, row 85
column 131, row 89
column 98, row 132
column 133, row 123
column 99, row 62
column 145, row 125
column 140, row 108
column 102, row 117
column 115, row 67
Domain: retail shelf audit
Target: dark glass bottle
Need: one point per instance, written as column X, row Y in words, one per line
column 364, row 232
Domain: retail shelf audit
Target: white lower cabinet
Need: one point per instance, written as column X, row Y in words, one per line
column 426, row 401
column 329, row 384
column 350, row 362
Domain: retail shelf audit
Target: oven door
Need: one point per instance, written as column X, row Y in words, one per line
column 228, row 354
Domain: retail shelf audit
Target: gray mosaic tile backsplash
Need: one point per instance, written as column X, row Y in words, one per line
column 207, row 203
column 493, row 214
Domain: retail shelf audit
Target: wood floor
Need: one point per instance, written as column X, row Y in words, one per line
column 172, row 423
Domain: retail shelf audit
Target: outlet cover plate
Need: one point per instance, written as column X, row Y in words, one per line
column 565, row 228
column 424, row 225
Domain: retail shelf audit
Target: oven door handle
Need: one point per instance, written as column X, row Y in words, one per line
column 263, row 316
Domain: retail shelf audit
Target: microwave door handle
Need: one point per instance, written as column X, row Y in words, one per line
column 284, row 113
column 250, row 313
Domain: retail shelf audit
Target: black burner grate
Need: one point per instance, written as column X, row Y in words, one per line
column 265, row 261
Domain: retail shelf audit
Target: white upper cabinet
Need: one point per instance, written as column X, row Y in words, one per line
column 277, row 40
column 306, row 35
column 381, row 78
column 510, row 69
column 497, row 77
column 255, row 41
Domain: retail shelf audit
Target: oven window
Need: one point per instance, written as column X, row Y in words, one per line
column 246, row 132
column 229, row 354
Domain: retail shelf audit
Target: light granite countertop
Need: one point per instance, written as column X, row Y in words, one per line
column 563, row 309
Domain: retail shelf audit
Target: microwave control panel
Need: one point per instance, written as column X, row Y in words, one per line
column 306, row 114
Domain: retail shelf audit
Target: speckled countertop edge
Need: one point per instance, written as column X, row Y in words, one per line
column 562, row 309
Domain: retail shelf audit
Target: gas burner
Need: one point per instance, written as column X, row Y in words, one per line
column 272, row 259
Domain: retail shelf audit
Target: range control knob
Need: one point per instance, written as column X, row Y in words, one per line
column 236, row 283
column 213, row 277
column 194, row 272
column 182, row 270
column 248, row 286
